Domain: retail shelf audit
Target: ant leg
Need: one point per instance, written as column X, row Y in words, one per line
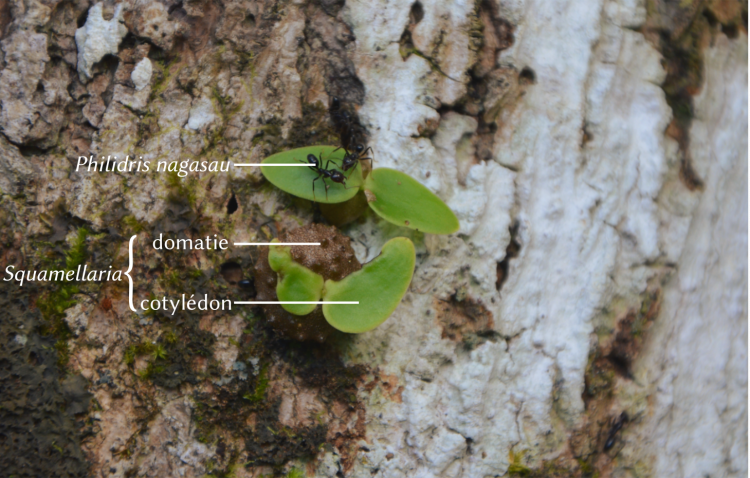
column 313, row 186
column 359, row 160
column 328, row 162
column 334, row 163
column 327, row 186
column 372, row 153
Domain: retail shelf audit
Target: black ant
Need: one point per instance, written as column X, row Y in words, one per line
column 346, row 124
column 323, row 173
column 617, row 424
column 352, row 158
column 349, row 133
column 341, row 118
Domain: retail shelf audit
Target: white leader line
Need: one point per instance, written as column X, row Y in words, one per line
column 276, row 243
column 295, row 302
column 250, row 165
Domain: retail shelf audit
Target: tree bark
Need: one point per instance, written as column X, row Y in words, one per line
column 588, row 319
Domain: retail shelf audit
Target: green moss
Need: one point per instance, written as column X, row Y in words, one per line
column 599, row 377
column 163, row 75
column 159, row 352
column 132, row 224
column 151, row 370
column 170, row 337
column 516, row 466
column 77, row 252
column 171, row 279
column 182, row 190
column 244, row 60
column 407, row 51
column 136, row 350
column 53, row 303
column 221, row 99
column 260, row 387
column 476, row 29
column 195, row 273
column 63, row 351
column 520, row 470
column 295, row 473
column 587, row 469
column 129, row 356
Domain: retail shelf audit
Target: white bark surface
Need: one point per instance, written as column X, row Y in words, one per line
column 597, row 222
column 696, row 361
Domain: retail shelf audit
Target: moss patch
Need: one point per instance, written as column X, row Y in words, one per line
column 247, row 409
column 53, row 303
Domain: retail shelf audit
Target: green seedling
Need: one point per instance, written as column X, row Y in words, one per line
column 308, row 182
column 379, row 287
column 393, row 195
column 296, row 282
column 402, row 200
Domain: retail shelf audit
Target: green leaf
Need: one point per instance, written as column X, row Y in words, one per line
column 378, row 286
column 299, row 180
column 296, row 282
column 400, row 199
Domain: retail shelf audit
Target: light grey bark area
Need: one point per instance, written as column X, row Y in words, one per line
column 584, row 167
column 695, row 363
column 588, row 319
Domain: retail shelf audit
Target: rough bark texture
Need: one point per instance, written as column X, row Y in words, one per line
column 589, row 318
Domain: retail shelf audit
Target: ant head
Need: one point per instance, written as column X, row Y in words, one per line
column 359, row 148
column 335, row 103
column 312, row 159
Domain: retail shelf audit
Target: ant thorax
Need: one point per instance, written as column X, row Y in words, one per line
column 324, row 172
